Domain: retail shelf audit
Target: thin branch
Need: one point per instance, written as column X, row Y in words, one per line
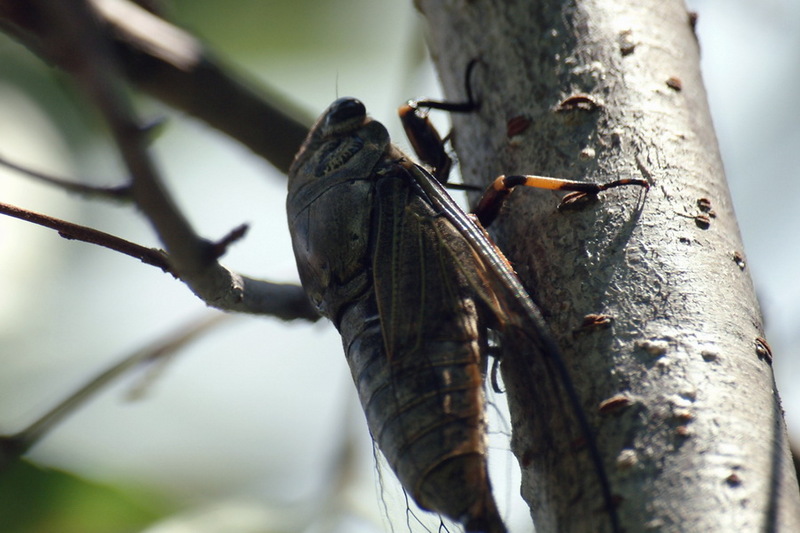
column 220, row 247
column 281, row 300
column 256, row 115
column 75, row 42
column 13, row 446
column 69, row 230
column 284, row 301
column 198, row 86
column 116, row 192
column 173, row 66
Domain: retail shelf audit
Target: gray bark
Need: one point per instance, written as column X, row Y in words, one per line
column 694, row 438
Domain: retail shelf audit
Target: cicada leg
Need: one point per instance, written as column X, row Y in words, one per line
column 493, row 197
column 429, row 147
column 426, row 141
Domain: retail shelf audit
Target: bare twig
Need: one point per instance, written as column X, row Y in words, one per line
column 256, row 115
column 281, row 300
column 74, row 41
column 65, row 34
column 220, row 247
column 172, row 65
column 13, row 446
column 69, row 230
column 284, row 301
column 116, row 192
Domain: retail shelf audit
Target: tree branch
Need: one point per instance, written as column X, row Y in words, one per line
column 119, row 192
column 13, row 446
column 606, row 90
column 76, row 43
column 68, row 230
column 281, row 300
column 173, row 66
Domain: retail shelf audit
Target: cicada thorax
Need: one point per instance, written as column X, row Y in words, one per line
column 329, row 208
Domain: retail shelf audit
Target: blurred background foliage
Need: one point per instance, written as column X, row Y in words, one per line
column 256, row 428
column 40, row 500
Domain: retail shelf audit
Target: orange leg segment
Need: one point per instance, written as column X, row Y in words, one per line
column 494, row 195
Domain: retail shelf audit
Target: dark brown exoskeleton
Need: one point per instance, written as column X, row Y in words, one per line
column 414, row 287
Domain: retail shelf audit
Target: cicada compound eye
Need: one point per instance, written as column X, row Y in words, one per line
column 345, row 114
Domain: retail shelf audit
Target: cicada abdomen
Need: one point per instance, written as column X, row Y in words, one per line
column 419, row 370
column 393, row 274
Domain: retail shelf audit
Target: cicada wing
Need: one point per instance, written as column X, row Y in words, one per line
column 519, row 319
column 428, row 413
column 487, row 270
column 418, row 285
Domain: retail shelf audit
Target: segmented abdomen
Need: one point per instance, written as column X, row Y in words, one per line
column 425, row 410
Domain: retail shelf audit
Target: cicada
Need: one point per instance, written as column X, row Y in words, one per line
column 416, row 289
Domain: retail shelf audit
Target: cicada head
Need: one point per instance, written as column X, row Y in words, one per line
column 343, row 142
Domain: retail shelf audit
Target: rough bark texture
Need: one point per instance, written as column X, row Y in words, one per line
column 692, row 435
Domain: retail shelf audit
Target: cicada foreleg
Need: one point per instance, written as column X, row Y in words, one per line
column 423, row 136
